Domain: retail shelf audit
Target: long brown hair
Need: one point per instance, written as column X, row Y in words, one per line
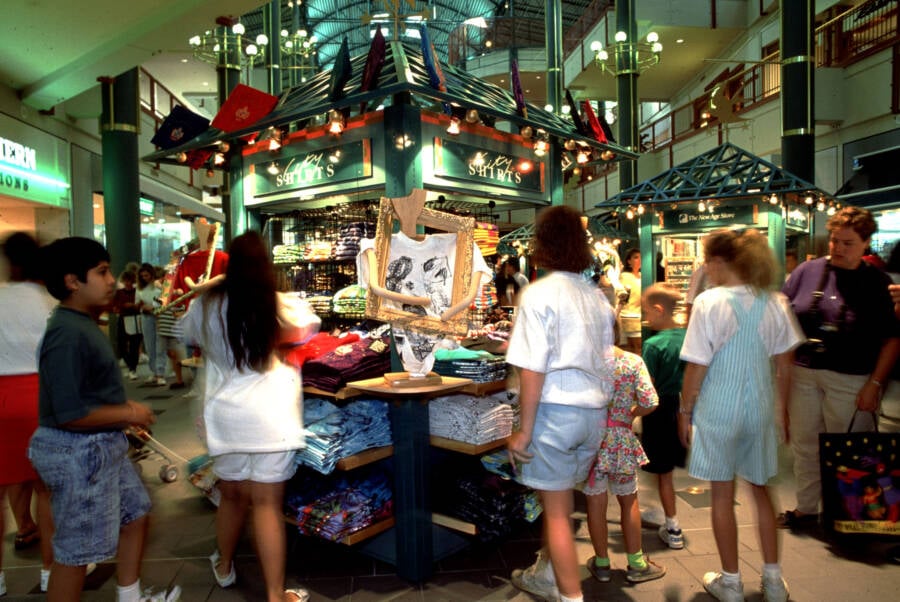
column 251, row 318
column 560, row 240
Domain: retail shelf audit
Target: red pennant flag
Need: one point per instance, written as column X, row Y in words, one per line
column 197, row 158
column 374, row 63
column 243, row 107
column 599, row 134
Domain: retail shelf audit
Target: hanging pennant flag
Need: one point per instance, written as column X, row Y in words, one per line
column 576, row 116
column 197, row 158
column 598, row 132
column 341, row 72
column 607, row 131
column 243, row 107
column 433, row 67
column 374, row 63
column 178, row 127
column 521, row 109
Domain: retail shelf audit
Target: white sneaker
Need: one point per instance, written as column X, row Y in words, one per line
column 132, row 375
column 174, row 595
column 715, row 585
column 534, row 581
column 672, row 537
column 45, row 580
column 775, row 590
column 2, row 583
column 160, row 381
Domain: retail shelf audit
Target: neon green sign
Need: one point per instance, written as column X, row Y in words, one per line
column 26, row 173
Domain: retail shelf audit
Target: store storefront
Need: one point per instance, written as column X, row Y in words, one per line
column 35, row 189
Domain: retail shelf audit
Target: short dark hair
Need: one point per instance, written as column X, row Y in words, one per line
column 74, row 255
column 21, row 250
column 560, row 240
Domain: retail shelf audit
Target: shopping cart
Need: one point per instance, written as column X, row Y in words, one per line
column 143, row 446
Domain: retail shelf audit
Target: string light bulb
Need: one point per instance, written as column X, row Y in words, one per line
column 273, row 168
column 335, row 122
column 773, row 200
column 453, row 128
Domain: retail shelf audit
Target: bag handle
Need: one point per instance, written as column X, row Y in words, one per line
column 853, row 419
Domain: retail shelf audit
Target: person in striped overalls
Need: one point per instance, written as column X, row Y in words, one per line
column 727, row 413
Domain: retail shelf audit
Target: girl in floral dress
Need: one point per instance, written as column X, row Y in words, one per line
column 616, row 468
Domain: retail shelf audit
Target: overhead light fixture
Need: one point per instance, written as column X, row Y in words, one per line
column 808, row 200
column 540, row 147
column 640, row 210
column 218, row 159
column 402, row 141
column 273, row 168
column 335, row 156
column 453, row 128
column 626, row 56
column 524, row 166
column 820, row 206
column 582, row 157
column 607, row 155
column 215, row 46
column 478, row 160
column 472, row 116
column 335, row 122
column 629, row 213
column 773, row 199
column 701, row 206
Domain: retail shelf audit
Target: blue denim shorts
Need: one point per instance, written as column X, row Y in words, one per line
column 94, row 491
column 564, row 442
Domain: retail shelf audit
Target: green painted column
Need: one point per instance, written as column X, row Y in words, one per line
column 119, row 129
column 273, row 50
column 798, row 65
column 626, row 90
column 553, row 29
column 228, row 73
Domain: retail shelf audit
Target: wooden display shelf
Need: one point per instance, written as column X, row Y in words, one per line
column 361, row 535
column 454, row 523
column 343, row 393
column 481, row 389
column 379, row 387
column 466, row 448
column 365, row 457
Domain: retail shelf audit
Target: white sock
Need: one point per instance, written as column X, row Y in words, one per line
column 129, row 593
column 731, row 578
column 562, row 598
column 672, row 523
column 772, row 571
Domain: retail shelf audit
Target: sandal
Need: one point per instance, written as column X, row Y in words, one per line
column 301, row 594
column 27, row 539
column 791, row 519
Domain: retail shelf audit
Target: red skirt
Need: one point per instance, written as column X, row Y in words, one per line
column 18, row 421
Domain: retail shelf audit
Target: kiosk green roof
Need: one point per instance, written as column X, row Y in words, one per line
column 723, row 173
column 403, row 78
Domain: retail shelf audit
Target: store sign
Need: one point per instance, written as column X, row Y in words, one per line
column 34, row 172
column 691, row 219
column 146, row 206
column 797, row 218
column 472, row 164
column 297, row 171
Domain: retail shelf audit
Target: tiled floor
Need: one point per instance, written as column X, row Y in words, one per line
column 182, row 536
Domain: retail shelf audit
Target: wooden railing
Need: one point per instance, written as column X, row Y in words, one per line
column 854, row 35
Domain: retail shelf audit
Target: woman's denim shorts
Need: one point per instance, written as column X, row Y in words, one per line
column 94, row 491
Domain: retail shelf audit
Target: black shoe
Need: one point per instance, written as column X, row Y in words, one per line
column 174, row 386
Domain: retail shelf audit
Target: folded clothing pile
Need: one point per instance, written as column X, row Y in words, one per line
column 474, row 420
column 335, row 433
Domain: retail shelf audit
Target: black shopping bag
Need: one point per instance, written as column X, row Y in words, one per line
column 860, row 482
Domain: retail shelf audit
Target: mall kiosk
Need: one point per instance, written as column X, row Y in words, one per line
column 395, row 123
column 725, row 187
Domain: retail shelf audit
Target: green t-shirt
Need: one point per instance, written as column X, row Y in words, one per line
column 661, row 354
column 77, row 369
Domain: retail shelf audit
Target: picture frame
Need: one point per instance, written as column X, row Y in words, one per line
column 411, row 206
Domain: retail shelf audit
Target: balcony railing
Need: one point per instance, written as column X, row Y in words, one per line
column 854, row 35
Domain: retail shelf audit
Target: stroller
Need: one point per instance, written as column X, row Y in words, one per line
column 143, row 445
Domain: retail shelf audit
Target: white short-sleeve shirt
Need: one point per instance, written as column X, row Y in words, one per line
column 713, row 323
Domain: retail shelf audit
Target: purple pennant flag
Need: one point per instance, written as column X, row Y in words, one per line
column 374, row 63
column 517, row 90
column 341, row 72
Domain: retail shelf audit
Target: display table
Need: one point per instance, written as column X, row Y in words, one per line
column 413, row 545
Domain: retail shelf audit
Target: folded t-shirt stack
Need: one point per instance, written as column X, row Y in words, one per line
column 487, row 237
column 337, row 506
column 286, row 254
column 320, row 302
column 347, row 246
column 474, row 420
column 495, row 505
column 341, row 432
column 366, row 358
column 317, row 250
column 350, row 301
column 480, row 366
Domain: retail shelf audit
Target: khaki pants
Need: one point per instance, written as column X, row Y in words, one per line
column 821, row 401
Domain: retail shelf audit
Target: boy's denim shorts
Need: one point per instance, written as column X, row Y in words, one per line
column 94, row 491
column 564, row 442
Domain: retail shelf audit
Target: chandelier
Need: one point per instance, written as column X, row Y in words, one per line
column 627, row 57
column 298, row 52
column 227, row 42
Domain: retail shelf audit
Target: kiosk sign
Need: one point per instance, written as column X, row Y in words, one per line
column 691, row 219
column 24, row 174
column 306, row 170
column 471, row 164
